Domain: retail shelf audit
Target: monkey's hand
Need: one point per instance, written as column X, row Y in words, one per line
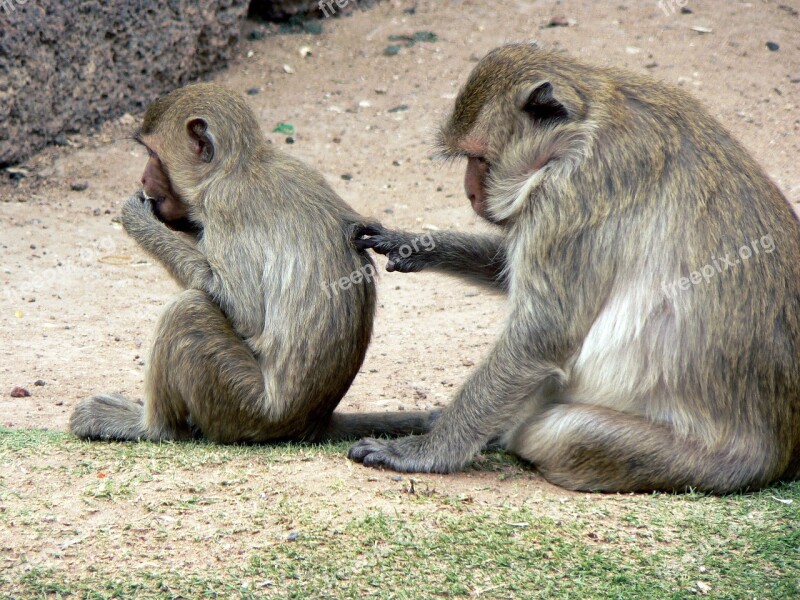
column 413, row 454
column 407, row 252
column 138, row 218
column 184, row 262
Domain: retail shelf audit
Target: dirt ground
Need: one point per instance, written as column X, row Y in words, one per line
column 79, row 300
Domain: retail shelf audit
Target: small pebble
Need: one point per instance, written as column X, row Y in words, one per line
column 346, row 176
column 773, row 46
column 391, row 50
column 685, row 10
column 79, row 186
column 20, row 392
column 425, row 36
column 290, row 140
column 97, row 212
column 252, row 91
column 396, row 163
column 293, row 536
column 561, row 21
column 398, row 108
column 39, row 382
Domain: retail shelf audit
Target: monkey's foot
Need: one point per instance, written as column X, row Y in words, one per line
column 407, row 455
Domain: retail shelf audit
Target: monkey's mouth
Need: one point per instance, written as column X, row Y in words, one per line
column 177, row 222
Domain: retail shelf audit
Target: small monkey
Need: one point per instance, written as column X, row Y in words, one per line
column 631, row 359
column 257, row 348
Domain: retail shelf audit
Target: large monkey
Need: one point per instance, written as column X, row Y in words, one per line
column 278, row 311
column 653, row 273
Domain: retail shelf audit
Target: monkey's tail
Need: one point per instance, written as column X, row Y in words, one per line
column 353, row 426
column 108, row 417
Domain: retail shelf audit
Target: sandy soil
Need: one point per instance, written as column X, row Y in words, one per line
column 79, row 300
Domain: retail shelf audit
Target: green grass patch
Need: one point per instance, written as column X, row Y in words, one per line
column 429, row 542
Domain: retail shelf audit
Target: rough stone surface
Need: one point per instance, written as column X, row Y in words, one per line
column 277, row 10
column 66, row 65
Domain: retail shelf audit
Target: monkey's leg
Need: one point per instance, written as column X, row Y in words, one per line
column 591, row 448
column 108, row 417
column 479, row 258
column 204, row 377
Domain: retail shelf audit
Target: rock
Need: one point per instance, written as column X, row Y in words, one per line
column 279, row 10
column 39, row 382
column 79, row 186
column 773, row 46
column 20, row 392
column 67, row 65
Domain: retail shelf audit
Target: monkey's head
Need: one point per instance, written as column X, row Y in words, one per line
column 194, row 135
column 520, row 118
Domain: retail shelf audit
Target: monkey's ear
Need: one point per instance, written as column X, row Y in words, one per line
column 202, row 141
column 541, row 103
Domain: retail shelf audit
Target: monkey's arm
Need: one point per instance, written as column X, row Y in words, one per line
column 479, row 258
column 483, row 408
column 184, row 262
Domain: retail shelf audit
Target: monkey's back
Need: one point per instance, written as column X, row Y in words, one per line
column 704, row 317
column 312, row 322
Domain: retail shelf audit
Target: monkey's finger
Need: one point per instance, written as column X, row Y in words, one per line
column 363, row 230
column 363, row 244
column 363, row 448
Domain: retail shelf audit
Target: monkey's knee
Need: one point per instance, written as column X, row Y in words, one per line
column 108, row 417
column 203, row 378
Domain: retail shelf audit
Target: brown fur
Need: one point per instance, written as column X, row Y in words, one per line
column 260, row 346
column 612, row 373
